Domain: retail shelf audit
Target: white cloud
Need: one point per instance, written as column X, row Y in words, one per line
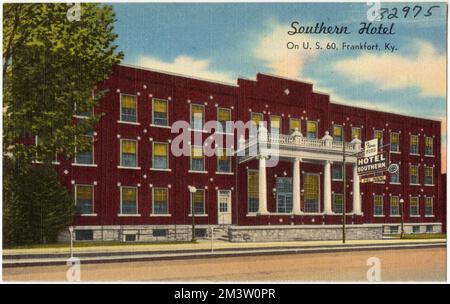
column 272, row 49
column 426, row 70
column 186, row 65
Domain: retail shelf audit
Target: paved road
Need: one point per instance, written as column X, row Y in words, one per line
column 428, row 264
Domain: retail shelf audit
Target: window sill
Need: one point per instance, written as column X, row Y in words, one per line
column 429, row 185
column 160, row 215
column 379, row 216
column 414, row 184
column 396, row 152
column 225, row 173
column 132, row 168
column 157, row 169
column 224, row 133
column 252, row 214
column 56, row 163
column 128, row 215
column 395, row 183
column 90, row 214
column 201, row 172
column 414, row 215
column 197, row 130
column 414, row 154
column 160, row 126
column 394, row 215
column 198, row 215
column 84, row 165
column 428, row 215
column 82, row 116
column 337, row 180
column 129, row 123
column 429, row 155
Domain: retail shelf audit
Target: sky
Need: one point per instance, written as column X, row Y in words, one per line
column 224, row 41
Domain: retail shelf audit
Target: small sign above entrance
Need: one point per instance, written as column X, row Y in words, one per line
column 371, row 147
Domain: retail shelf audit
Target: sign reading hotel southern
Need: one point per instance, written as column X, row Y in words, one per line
column 371, row 164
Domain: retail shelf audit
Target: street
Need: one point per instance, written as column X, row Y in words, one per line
column 426, row 264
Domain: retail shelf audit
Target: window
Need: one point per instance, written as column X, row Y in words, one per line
column 378, row 205
column 428, row 206
column 393, row 229
column 87, row 156
column 128, row 200
column 311, row 129
column 160, row 159
column 253, row 190
column 223, row 160
column 414, row 206
column 337, row 173
column 284, row 194
column 294, row 123
column 428, row 145
column 160, row 200
column 356, row 132
column 82, row 114
column 84, row 199
column 395, row 210
column 84, row 235
column 128, row 108
column 130, row 237
column 378, row 134
column 429, row 229
column 200, row 232
column 224, row 120
column 414, row 175
column 275, row 124
column 256, row 118
column 197, row 117
column 428, row 176
column 395, row 177
column 416, row 229
column 128, row 153
column 338, row 203
column 159, row 112
column 159, row 232
column 198, row 201
column 414, row 144
column 311, row 194
column 197, row 159
column 394, row 142
column 337, row 133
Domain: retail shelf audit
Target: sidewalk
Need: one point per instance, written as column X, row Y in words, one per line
column 202, row 249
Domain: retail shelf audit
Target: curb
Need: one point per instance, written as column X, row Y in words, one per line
column 232, row 252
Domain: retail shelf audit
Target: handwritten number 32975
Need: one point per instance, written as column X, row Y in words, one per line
column 406, row 12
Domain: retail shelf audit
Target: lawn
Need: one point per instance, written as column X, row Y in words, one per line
column 94, row 244
column 418, row 236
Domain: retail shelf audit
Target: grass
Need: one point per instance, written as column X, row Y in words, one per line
column 418, row 236
column 95, row 244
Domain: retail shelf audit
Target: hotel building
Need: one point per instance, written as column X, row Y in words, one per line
column 130, row 186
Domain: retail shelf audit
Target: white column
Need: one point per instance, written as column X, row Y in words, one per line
column 262, row 187
column 296, row 187
column 356, row 192
column 327, row 188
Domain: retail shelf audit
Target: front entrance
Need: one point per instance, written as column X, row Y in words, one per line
column 224, row 207
column 284, row 195
column 311, row 185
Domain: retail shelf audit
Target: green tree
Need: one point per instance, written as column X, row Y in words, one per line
column 51, row 67
column 36, row 207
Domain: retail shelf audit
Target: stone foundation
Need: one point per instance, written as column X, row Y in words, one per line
column 304, row 233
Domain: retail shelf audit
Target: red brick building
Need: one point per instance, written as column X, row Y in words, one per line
column 131, row 187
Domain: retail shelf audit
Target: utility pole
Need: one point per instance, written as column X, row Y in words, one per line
column 344, row 211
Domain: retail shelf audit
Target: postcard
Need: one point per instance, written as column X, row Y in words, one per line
column 224, row 142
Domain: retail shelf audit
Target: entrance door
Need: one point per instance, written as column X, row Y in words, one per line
column 284, row 195
column 224, row 207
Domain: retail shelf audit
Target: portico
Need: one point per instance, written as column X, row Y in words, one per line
column 270, row 149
